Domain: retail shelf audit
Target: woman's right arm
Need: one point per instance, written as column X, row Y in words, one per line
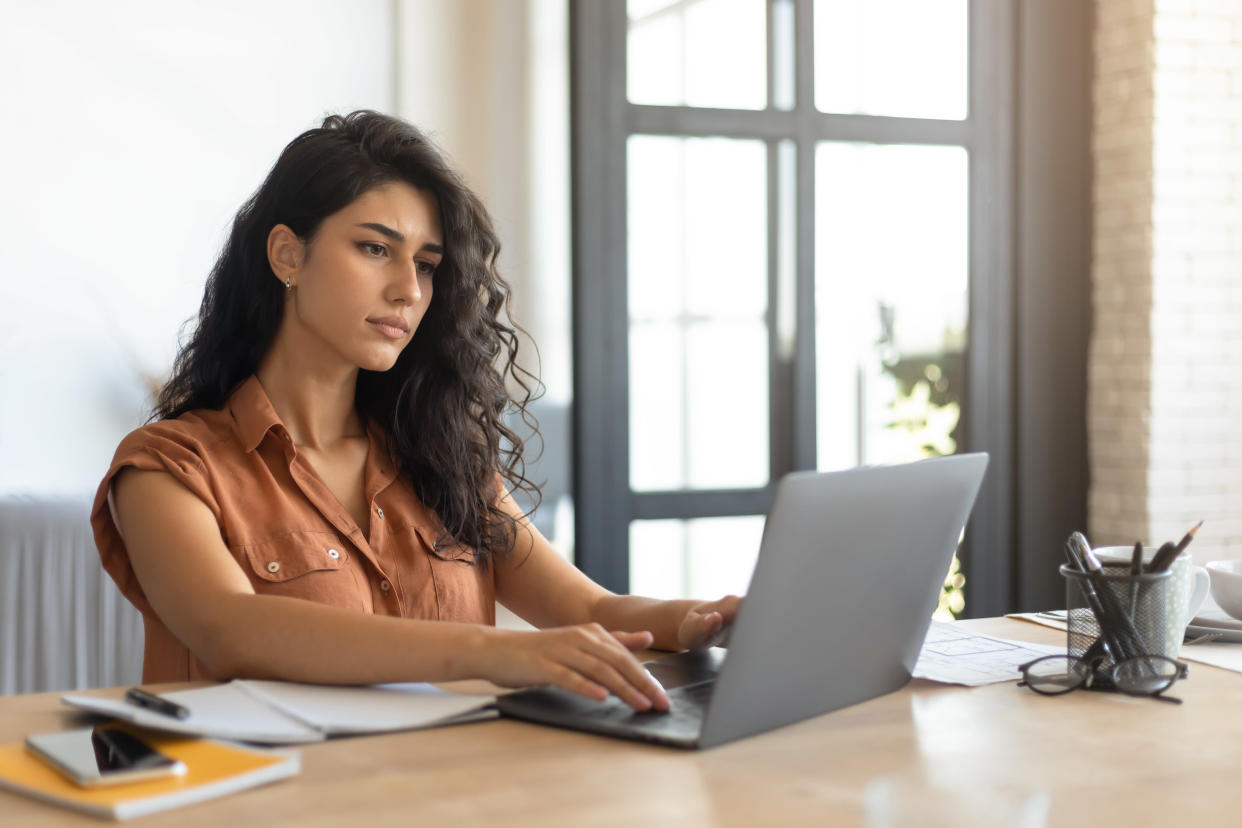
column 205, row 599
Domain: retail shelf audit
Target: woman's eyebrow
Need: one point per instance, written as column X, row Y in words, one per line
column 385, row 230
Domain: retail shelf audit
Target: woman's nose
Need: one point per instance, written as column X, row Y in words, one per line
column 407, row 286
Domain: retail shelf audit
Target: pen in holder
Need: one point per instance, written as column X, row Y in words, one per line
column 1115, row 614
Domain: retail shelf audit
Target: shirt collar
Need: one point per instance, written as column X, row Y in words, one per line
column 253, row 413
column 254, row 417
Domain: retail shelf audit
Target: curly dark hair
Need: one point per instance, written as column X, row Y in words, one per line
column 443, row 403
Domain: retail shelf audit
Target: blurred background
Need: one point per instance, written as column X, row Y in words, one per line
column 746, row 236
column 134, row 131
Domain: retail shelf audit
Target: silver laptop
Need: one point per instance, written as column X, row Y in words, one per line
column 849, row 572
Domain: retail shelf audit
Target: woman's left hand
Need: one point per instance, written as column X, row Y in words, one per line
column 707, row 624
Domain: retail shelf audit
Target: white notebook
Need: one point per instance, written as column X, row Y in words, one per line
column 278, row 712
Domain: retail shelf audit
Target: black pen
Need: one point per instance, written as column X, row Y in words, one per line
column 1116, row 627
column 141, row 698
column 1136, row 569
column 1073, row 550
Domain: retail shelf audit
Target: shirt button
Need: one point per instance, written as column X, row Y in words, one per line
column 379, row 512
column 333, row 554
column 385, row 586
column 274, row 566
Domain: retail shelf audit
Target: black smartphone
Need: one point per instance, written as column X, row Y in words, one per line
column 102, row 755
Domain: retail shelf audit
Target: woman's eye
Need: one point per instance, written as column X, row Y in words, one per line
column 372, row 249
column 426, row 268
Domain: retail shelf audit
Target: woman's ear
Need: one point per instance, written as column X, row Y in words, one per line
column 285, row 253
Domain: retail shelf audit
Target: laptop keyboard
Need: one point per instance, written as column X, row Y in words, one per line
column 680, row 726
column 687, row 707
column 688, row 679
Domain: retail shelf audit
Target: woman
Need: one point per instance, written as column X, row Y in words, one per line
column 322, row 497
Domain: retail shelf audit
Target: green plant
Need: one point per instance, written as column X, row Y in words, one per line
column 926, row 409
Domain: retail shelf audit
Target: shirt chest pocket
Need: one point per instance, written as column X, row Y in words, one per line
column 314, row 566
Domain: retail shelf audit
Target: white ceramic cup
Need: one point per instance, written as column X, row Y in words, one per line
column 1186, row 581
column 1227, row 585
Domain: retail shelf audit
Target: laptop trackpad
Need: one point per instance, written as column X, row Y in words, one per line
column 681, row 669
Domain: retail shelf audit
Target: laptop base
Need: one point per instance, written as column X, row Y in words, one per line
column 686, row 677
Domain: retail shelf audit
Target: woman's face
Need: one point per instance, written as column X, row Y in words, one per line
column 364, row 281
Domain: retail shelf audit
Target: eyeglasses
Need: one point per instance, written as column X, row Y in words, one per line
column 1142, row 675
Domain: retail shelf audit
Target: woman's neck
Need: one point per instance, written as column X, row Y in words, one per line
column 316, row 403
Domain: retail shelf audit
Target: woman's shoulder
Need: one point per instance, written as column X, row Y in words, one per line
column 182, row 448
column 188, row 439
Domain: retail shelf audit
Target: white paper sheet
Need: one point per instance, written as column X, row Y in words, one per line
column 374, row 709
column 273, row 712
column 1226, row 656
column 221, row 711
column 1052, row 618
column 953, row 655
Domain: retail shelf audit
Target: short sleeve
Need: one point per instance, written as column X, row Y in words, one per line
column 162, row 446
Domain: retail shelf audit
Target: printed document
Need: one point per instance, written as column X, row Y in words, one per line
column 952, row 654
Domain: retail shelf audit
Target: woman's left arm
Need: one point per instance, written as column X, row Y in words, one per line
column 539, row 585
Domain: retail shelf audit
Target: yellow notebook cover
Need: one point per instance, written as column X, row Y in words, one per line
column 212, row 769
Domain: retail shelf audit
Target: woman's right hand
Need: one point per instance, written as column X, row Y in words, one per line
column 585, row 659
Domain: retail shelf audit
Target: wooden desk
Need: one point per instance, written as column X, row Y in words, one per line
column 1102, row 758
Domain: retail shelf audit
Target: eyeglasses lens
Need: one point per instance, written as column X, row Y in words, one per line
column 1056, row 674
column 1145, row 675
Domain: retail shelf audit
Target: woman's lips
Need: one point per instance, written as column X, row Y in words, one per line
column 393, row 327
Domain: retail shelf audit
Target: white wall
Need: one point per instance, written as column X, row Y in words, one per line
column 502, row 115
column 131, row 130
column 1166, row 380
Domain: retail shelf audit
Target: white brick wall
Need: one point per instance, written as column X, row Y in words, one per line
column 1120, row 350
column 1165, row 374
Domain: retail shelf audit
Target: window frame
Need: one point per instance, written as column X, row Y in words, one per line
column 602, row 119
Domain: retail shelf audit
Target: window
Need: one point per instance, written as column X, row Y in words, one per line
column 789, row 254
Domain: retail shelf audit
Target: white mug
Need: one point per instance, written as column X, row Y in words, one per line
column 1188, row 582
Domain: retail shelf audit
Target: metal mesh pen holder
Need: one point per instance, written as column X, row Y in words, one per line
column 1132, row 608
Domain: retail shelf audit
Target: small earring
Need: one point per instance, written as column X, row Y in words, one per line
column 288, row 284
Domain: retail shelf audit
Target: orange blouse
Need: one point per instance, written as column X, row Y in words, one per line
column 287, row 530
